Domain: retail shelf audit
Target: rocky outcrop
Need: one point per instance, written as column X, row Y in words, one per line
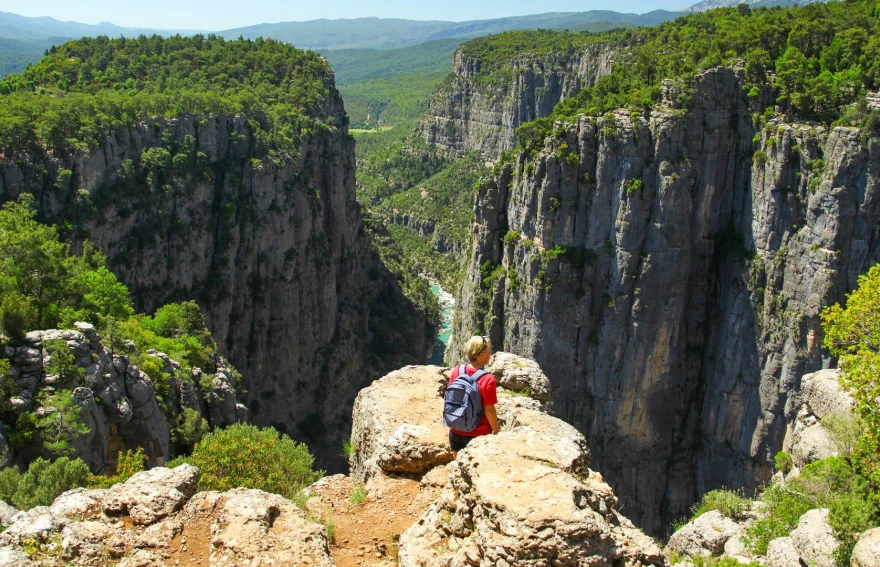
column 156, row 518
column 522, row 497
column 481, row 107
column 118, row 401
column 821, row 396
column 705, row 536
column 271, row 247
column 867, row 550
column 667, row 272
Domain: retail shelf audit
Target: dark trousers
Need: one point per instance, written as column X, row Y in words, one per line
column 458, row 442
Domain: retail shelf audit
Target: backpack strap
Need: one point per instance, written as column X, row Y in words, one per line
column 462, row 371
column 478, row 374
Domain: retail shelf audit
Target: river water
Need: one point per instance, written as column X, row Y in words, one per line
column 447, row 303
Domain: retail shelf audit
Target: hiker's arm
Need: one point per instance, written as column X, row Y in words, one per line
column 492, row 416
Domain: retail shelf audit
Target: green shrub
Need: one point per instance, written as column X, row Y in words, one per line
column 191, row 429
column 512, row 237
column 844, row 430
column 62, row 362
column 760, row 157
column 129, row 463
column 56, row 429
column 44, row 481
column 9, row 478
column 784, row 508
column 245, row 456
column 349, row 448
column 783, row 462
column 727, row 502
column 633, row 185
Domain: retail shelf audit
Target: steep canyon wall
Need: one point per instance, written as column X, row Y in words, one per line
column 471, row 113
column 275, row 255
column 667, row 272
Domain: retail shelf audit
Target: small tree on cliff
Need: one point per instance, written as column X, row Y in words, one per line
column 853, row 334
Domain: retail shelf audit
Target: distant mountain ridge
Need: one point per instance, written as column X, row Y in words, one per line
column 706, row 5
column 386, row 33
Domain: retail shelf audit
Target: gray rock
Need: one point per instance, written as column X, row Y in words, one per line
column 152, row 495
column 519, row 374
column 10, row 557
column 7, row 512
column 653, row 310
column 705, row 536
column 867, row 550
column 781, row 553
column 814, row 539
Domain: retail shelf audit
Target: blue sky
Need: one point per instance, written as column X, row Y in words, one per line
column 225, row 14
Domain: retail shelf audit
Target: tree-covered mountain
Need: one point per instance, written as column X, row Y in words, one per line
column 712, row 4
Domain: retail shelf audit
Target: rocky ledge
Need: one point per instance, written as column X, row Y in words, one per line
column 523, row 497
column 157, row 518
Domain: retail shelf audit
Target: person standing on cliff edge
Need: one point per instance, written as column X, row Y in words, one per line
column 469, row 405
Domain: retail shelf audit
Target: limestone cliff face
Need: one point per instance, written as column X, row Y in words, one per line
column 119, row 403
column 275, row 255
column 667, row 273
column 474, row 112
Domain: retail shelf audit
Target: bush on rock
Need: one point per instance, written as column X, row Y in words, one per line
column 246, row 456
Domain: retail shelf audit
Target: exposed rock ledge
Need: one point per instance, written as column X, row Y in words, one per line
column 523, row 497
column 156, row 518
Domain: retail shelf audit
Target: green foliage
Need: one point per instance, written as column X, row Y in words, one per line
column 42, row 284
column 349, row 449
column 633, row 185
column 823, row 55
column 760, row 157
column 62, row 362
column 390, row 101
column 831, row 483
column 89, row 88
column 512, row 237
column 358, row 495
column 845, row 431
column 353, row 66
column 553, row 204
column 783, row 462
column 727, row 502
column 853, row 334
column 44, row 481
column 245, row 456
column 129, row 463
column 784, row 509
column 9, row 479
column 191, row 429
column 56, row 426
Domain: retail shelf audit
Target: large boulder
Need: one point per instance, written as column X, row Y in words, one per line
column 867, row 550
column 707, row 535
column 396, row 424
column 781, row 553
column 814, row 539
column 149, row 496
column 519, row 374
column 821, row 396
column 525, row 498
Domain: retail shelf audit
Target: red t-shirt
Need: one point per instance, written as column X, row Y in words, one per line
column 486, row 384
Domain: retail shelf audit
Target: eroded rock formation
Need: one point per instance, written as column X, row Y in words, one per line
column 472, row 113
column 156, row 518
column 118, row 401
column 667, row 272
column 523, row 497
column 274, row 254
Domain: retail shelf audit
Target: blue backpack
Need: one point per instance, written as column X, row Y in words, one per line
column 463, row 406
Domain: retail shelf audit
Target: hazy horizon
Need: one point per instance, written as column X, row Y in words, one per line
column 225, row 14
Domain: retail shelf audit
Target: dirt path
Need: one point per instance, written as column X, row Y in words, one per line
column 366, row 533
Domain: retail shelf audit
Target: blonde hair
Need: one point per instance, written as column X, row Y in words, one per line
column 475, row 347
